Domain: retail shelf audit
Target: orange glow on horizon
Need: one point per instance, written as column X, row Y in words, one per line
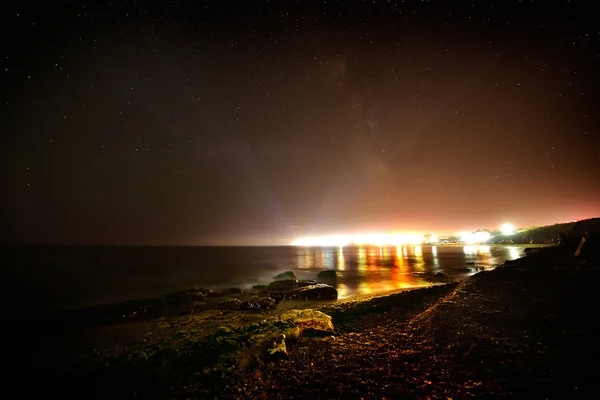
column 378, row 239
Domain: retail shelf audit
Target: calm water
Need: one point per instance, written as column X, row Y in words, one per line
column 40, row 280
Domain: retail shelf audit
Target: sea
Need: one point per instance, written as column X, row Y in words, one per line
column 38, row 281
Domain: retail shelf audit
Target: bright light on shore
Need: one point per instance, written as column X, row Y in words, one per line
column 477, row 237
column 507, row 229
column 379, row 239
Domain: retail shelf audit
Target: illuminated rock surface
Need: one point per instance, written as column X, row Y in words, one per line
column 309, row 319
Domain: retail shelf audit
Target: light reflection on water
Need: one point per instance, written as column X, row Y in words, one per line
column 371, row 269
column 341, row 264
column 79, row 277
column 514, row 252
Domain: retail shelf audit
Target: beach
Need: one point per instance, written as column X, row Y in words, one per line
column 525, row 328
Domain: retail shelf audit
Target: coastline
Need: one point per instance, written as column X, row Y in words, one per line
column 524, row 328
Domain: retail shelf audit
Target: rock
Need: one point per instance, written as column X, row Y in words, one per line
column 248, row 303
column 266, row 348
column 232, row 291
column 293, row 333
column 286, row 284
column 259, row 287
column 275, row 348
column 439, row 274
column 289, row 284
column 309, row 319
column 301, row 290
column 260, row 303
column 320, row 291
column 328, row 274
column 208, row 292
column 188, row 295
column 285, row 275
column 470, row 263
column 224, row 330
column 230, row 304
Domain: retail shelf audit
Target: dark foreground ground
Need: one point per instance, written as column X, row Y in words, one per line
column 527, row 329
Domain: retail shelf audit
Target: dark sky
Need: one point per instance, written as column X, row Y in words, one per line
column 231, row 123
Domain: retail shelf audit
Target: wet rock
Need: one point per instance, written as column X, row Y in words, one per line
column 320, row 291
column 290, row 284
column 439, row 274
column 188, row 295
column 309, row 319
column 286, row 275
column 300, row 290
column 287, row 284
column 327, row 274
column 231, row 291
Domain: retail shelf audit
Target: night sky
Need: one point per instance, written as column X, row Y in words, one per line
column 207, row 122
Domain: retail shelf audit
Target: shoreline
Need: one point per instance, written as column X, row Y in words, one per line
column 524, row 328
column 66, row 288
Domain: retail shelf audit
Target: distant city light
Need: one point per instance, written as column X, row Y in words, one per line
column 476, row 237
column 507, row 229
column 379, row 239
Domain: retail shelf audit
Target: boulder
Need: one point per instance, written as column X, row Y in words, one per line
column 286, row 284
column 327, row 274
column 285, row 275
column 309, row 319
column 289, row 284
column 301, row 290
column 320, row 291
